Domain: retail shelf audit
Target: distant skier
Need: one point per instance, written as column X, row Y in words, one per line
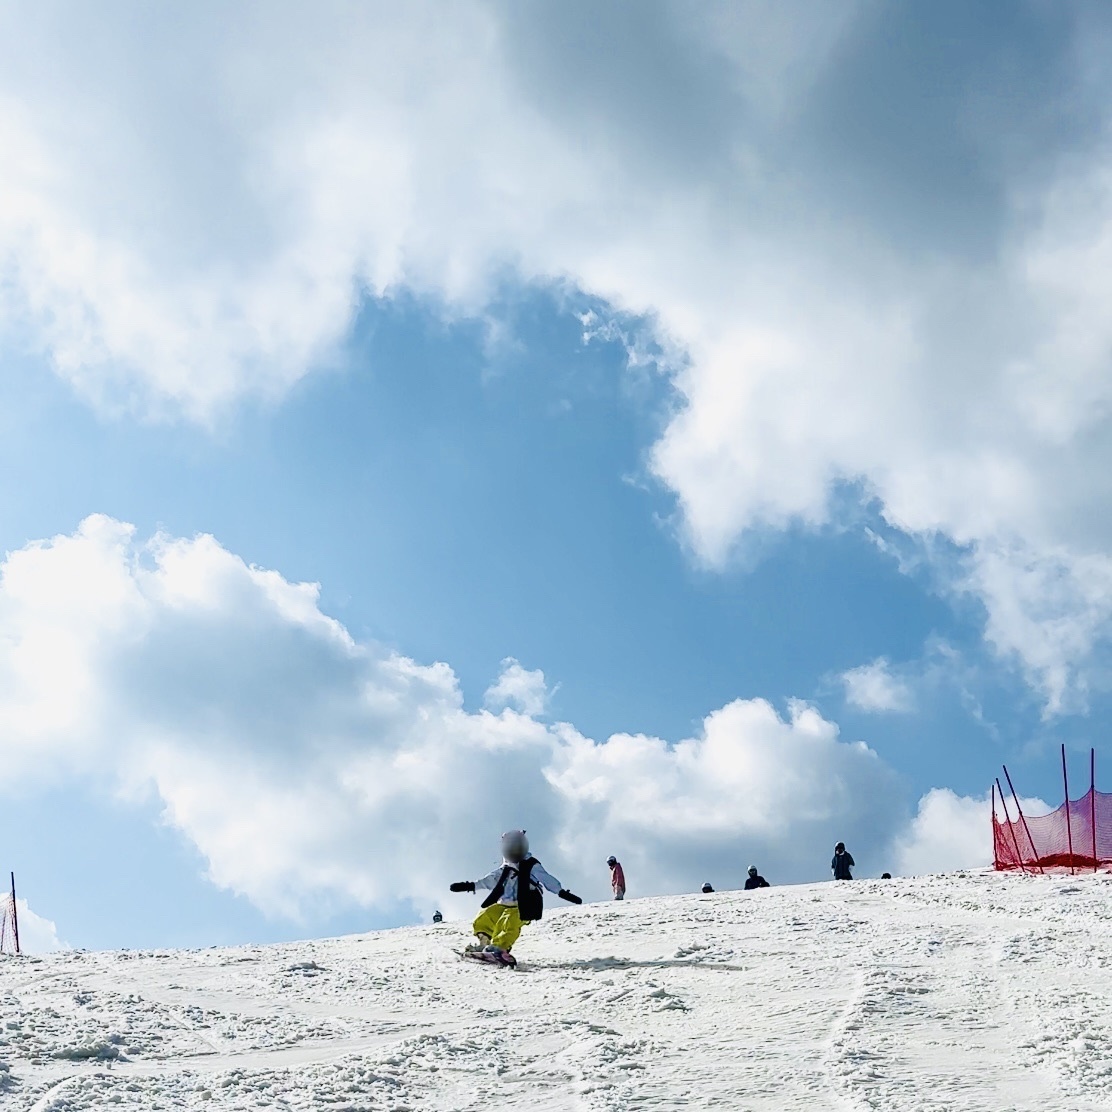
column 617, row 877
column 707, row 887
column 437, row 917
column 885, row 876
column 841, row 863
column 510, row 903
column 755, row 880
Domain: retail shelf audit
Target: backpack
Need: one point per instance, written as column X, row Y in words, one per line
column 530, row 902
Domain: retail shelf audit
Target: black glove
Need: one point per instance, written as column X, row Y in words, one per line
column 571, row 897
column 463, row 886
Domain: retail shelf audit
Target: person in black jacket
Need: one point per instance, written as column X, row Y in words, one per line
column 841, row 863
column 755, row 880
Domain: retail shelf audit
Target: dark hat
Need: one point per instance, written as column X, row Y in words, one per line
column 611, row 860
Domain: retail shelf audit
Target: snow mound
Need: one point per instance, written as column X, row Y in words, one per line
column 971, row 991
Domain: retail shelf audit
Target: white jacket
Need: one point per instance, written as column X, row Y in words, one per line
column 538, row 877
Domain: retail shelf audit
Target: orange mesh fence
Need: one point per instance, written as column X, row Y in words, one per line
column 1043, row 841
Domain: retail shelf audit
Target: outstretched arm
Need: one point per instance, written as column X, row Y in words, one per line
column 490, row 880
column 543, row 877
column 487, row 881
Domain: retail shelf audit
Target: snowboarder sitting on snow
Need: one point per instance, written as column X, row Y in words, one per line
column 617, row 878
column 755, row 880
column 511, row 904
column 842, row 863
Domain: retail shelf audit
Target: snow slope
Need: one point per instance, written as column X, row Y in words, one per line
column 971, row 991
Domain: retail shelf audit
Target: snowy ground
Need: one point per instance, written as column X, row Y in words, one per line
column 958, row 992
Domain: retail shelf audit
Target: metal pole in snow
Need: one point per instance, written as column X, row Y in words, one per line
column 995, row 854
column 1011, row 826
column 1093, row 803
column 1069, row 818
column 15, row 916
column 1026, row 829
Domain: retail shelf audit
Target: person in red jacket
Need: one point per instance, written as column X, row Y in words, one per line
column 617, row 877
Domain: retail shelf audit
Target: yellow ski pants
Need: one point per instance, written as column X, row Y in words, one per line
column 501, row 923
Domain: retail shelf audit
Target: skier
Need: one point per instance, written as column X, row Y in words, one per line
column 437, row 917
column 755, row 880
column 841, row 863
column 707, row 887
column 506, row 908
column 617, row 877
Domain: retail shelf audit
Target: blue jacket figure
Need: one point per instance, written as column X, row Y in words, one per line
column 841, row 863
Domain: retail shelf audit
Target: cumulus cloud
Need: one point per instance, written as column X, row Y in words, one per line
column 873, row 687
column 750, row 786
column 904, row 292
column 310, row 768
column 950, row 832
column 518, row 687
column 36, row 934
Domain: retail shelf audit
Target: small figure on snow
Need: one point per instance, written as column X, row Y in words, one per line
column 885, row 876
column 617, row 877
column 707, row 887
column 755, row 880
column 842, row 863
column 437, row 917
column 515, row 897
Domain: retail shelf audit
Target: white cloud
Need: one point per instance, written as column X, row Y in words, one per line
column 312, row 770
column 520, row 688
column 190, row 210
column 36, row 934
column 952, row 832
column 873, row 687
column 949, row 832
column 750, row 787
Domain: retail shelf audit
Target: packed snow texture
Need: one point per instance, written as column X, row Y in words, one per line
column 971, row 991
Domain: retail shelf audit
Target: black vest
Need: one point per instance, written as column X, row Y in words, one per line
column 530, row 902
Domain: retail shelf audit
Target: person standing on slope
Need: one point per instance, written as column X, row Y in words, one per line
column 515, row 895
column 755, row 880
column 842, row 863
column 617, row 877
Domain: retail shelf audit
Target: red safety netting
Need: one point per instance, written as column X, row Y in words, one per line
column 1043, row 841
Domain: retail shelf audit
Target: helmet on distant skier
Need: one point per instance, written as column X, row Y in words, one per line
column 752, row 870
column 515, row 846
column 611, row 860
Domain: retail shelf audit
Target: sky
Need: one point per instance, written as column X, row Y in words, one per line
column 679, row 430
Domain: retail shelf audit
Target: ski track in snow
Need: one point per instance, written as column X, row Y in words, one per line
column 970, row 991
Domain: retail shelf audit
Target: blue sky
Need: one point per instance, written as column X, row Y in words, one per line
column 732, row 417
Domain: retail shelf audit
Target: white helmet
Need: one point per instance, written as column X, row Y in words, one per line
column 515, row 846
